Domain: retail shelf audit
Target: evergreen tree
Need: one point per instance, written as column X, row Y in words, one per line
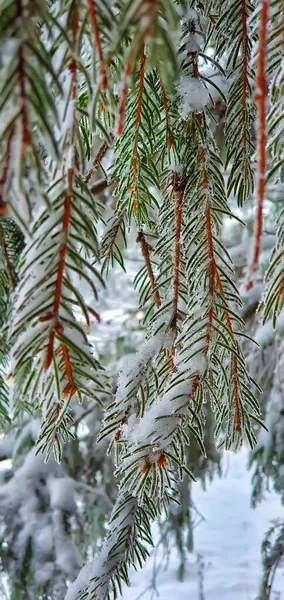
column 112, row 131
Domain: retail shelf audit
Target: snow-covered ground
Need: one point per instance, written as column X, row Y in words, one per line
column 228, row 544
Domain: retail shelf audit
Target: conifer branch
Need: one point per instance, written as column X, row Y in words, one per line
column 261, row 95
column 178, row 192
column 124, row 545
column 110, row 250
column 54, row 342
column 166, row 109
column 273, row 301
column 215, row 283
column 134, row 165
column 98, row 45
column 145, row 248
column 232, row 28
column 169, row 184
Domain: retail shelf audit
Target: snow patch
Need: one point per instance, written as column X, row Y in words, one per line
column 193, row 95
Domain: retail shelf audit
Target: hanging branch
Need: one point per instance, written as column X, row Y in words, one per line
column 150, row 20
column 57, row 326
column 192, row 312
column 177, row 190
column 233, row 49
column 261, row 94
column 98, row 45
column 215, row 283
column 145, row 248
column 144, row 22
column 62, row 238
column 60, row 270
column 29, row 86
column 134, row 165
column 245, row 59
column 273, row 300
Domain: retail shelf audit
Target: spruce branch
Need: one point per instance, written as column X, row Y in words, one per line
column 98, row 44
column 233, row 36
column 145, row 248
column 59, row 95
column 273, row 300
column 261, row 95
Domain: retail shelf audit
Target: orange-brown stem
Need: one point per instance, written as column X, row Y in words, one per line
column 209, row 237
column 60, row 270
column 99, row 156
column 148, row 14
column 99, row 186
column 102, row 151
column 122, row 422
column 70, row 388
column 98, row 45
column 114, row 233
column 261, row 90
column 141, row 88
column 57, row 327
column 145, row 251
column 195, row 385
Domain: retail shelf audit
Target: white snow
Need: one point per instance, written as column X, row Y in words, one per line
column 193, row 95
column 152, row 425
column 135, row 370
column 192, row 43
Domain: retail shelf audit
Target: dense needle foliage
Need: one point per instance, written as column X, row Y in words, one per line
column 162, row 120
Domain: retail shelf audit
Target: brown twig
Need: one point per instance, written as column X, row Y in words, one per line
column 98, row 45
column 145, row 247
